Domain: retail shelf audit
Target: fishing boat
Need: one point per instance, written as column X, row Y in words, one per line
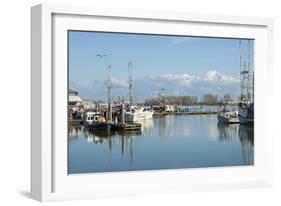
column 90, row 117
column 138, row 113
column 96, row 121
column 246, row 106
column 246, row 113
column 228, row 115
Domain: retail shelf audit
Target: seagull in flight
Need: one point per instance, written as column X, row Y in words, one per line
column 101, row 55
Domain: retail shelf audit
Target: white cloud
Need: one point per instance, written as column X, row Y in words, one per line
column 184, row 79
column 119, row 83
column 213, row 75
column 212, row 82
column 188, row 80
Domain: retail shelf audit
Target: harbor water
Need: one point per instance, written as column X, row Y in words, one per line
column 165, row 142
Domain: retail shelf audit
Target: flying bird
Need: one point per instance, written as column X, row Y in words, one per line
column 101, row 55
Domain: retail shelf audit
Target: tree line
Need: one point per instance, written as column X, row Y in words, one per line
column 207, row 99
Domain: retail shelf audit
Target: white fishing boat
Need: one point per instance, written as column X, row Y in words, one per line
column 228, row 114
column 228, row 117
column 136, row 113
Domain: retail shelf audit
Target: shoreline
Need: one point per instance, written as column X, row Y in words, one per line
column 78, row 122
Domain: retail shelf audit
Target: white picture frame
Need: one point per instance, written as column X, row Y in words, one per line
column 49, row 179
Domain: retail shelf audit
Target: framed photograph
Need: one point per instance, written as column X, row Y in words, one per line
column 136, row 102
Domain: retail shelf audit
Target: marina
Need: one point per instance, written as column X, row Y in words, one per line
column 169, row 121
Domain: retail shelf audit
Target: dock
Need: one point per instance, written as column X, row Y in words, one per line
column 127, row 126
column 75, row 122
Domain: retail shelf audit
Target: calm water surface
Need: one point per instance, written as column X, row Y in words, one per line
column 168, row 142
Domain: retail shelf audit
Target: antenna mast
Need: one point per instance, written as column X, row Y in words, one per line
column 130, row 67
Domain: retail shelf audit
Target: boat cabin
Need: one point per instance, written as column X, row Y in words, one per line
column 93, row 117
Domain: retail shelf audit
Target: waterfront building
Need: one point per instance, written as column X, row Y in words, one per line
column 73, row 98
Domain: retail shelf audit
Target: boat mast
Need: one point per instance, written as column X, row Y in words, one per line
column 249, row 76
column 162, row 97
column 242, row 75
column 130, row 68
column 246, row 79
column 109, row 98
column 251, row 73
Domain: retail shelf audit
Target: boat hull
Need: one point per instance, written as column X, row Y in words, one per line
column 106, row 126
column 135, row 117
column 248, row 121
column 228, row 117
column 246, row 114
column 131, row 117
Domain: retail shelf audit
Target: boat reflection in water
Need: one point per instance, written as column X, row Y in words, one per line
column 229, row 132
column 168, row 142
column 246, row 135
column 74, row 132
column 112, row 139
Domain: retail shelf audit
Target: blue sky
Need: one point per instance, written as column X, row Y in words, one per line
column 181, row 65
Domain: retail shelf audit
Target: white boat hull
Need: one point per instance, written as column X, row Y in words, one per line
column 131, row 117
column 138, row 116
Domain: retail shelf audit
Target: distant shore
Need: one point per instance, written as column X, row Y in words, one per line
column 185, row 113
